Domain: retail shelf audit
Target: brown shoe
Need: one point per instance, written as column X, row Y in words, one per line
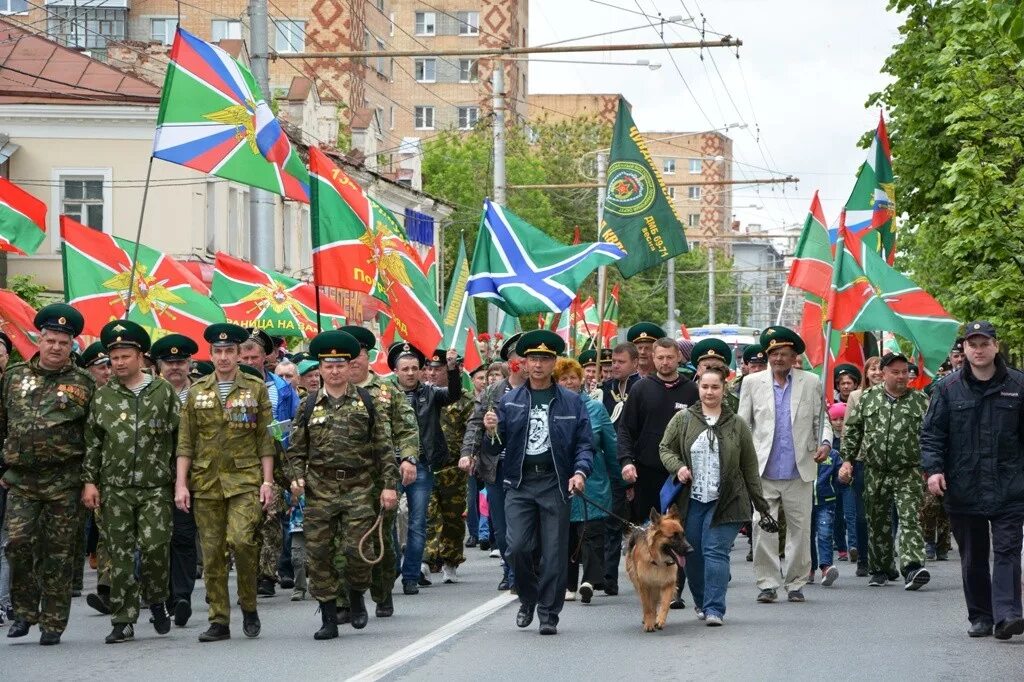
column 92, row 561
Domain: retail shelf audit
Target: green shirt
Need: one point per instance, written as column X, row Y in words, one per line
column 883, row 431
column 538, row 435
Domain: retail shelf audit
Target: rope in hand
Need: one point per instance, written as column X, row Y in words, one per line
column 378, row 525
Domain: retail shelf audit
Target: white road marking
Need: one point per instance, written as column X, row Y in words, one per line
column 428, row 642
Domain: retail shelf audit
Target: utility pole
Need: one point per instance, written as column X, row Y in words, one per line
column 498, row 130
column 671, row 274
column 711, row 284
column 602, row 270
column 261, row 202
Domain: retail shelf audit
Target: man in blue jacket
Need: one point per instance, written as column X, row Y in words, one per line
column 545, row 430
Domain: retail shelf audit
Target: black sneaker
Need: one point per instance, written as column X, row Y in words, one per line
column 250, row 624
column 767, row 596
column 796, row 596
column 287, row 583
column 216, row 633
column 1008, row 628
column 878, row 580
column 862, row 571
column 980, row 629
column 386, row 608
column 122, row 632
column 485, row 545
column 160, row 620
column 410, row 587
column 524, row 616
column 916, row 579
column 98, row 602
column 611, row 587
column 471, row 541
column 265, row 588
column 503, row 585
column 182, row 612
column 893, row 575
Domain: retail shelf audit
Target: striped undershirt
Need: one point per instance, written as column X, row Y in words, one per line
column 147, row 379
column 183, row 395
column 272, row 390
column 224, row 387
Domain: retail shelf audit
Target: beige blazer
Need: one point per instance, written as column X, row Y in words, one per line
column 757, row 408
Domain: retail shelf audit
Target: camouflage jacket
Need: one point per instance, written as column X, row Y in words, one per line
column 42, row 426
column 454, row 420
column 398, row 416
column 226, row 441
column 337, row 443
column 885, row 433
column 129, row 439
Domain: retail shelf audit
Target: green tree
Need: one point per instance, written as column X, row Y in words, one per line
column 29, row 290
column 956, row 111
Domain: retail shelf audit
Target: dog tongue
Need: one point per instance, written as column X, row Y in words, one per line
column 680, row 559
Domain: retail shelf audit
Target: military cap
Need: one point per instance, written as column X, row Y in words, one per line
column 509, row 346
column 847, row 368
column 250, row 370
column 173, row 347
column 225, row 334
column 753, row 354
column 94, row 354
column 958, row 345
column 912, row 370
column 6, row 341
column 124, row 334
column 945, row 366
column 263, row 338
column 202, row 368
column 437, row 358
column 645, row 332
column 540, row 342
column 334, row 346
column 60, row 317
column 774, row 338
column 301, row 356
column 306, row 366
column 979, row 328
column 363, row 335
column 403, row 350
column 587, row 357
column 707, row 349
column 606, row 355
column 890, row 358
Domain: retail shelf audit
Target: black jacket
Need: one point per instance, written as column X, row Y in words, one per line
column 427, row 402
column 486, row 460
column 974, row 434
column 650, row 406
column 610, row 387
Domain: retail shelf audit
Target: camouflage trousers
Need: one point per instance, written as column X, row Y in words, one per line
column 935, row 522
column 382, row 573
column 40, row 544
column 102, row 555
column 270, row 539
column 883, row 490
column 336, row 517
column 445, row 527
column 137, row 518
column 78, row 555
column 229, row 524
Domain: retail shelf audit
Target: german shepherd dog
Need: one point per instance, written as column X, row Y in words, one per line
column 653, row 554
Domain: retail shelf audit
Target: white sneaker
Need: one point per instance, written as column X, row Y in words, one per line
column 449, row 574
column 495, row 554
column 570, row 595
column 829, row 575
column 713, row 620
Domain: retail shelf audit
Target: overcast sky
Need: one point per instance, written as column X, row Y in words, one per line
column 805, row 70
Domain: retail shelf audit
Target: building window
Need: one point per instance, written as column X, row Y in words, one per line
column 693, row 220
column 469, row 23
column 693, row 192
column 84, row 27
column 289, row 36
column 695, row 166
column 668, row 166
column 425, row 70
column 392, row 117
column 81, row 198
column 671, row 192
column 162, row 30
column 468, row 116
column 225, row 29
column 424, row 118
column 13, row 6
column 468, row 71
column 382, row 62
column 426, row 23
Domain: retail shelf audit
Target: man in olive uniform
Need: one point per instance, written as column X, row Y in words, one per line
column 129, row 439
column 95, row 361
column 43, row 406
column 173, row 354
column 399, row 421
column 714, row 353
column 339, row 447
column 643, row 335
column 224, row 440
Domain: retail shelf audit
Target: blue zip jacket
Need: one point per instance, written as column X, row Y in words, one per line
column 287, row 398
column 605, row 470
column 828, row 478
column 572, row 446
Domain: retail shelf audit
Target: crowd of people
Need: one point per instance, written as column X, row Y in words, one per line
column 308, row 472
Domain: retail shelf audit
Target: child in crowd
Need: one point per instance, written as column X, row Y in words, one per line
column 298, row 544
column 825, row 505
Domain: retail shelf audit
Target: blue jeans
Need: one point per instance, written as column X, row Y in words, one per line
column 473, row 508
column 823, row 518
column 707, row 566
column 845, row 526
column 417, row 497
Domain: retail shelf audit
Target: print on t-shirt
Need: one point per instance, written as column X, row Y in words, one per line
column 538, row 440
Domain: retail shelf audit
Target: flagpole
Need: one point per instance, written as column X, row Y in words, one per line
column 138, row 238
column 782, row 305
column 602, row 270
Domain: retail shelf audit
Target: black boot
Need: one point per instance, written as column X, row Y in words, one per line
column 250, row 624
column 357, row 607
column 160, row 620
column 216, row 633
column 265, row 588
column 100, row 600
column 329, row 618
column 49, row 638
column 386, row 608
column 19, row 628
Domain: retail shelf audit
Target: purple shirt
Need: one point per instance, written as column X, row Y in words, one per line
column 781, row 465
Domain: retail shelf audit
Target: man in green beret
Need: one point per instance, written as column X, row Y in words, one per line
column 309, row 377
column 338, row 449
column 588, row 361
column 643, row 335
column 43, row 407
column 846, row 378
column 224, row 441
column 129, row 438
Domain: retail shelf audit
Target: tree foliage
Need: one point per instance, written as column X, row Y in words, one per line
column 956, row 111
column 29, row 290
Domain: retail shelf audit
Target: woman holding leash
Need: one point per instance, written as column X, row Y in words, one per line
column 712, row 452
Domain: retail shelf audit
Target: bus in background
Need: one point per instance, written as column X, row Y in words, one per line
column 736, row 336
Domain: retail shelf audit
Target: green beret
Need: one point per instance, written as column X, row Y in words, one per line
column 306, row 366
column 645, row 332
column 509, row 346
column 225, row 334
column 774, row 338
column 540, row 342
column 334, row 346
column 711, row 349
column 438, row 358
column 124, row 334
column 60, row 317
column 263, row 339
column 301, row 356
column 606, row 355
column 400, row 350
column 249, row 369
column 587, row 357
column 93, row 354
column 202, row 368
column 754, row 354
column 846, row 368
column 363, row 335
column 173, row 347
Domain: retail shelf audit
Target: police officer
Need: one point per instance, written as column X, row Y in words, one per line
column 223, row 438
column 129, row 438
column 643, row 335
column 173, row 354
column 339, row 446
column 43, row 406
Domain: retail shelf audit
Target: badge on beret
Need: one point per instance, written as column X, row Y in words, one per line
column 711, row 352
column 223, row 336
column 977, row 326
column 62, row 320
column 174, row 351
column 406, row 348
column 543, row 347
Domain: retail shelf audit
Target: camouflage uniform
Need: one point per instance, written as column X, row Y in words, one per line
column 885, row 433
column 445, row 528
column 129, row 445
column 340, row 458
column 935, row 524
column 42, row 419
column 226, row 443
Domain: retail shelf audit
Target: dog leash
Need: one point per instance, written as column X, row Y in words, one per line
column 588, row 500
column 378, row 526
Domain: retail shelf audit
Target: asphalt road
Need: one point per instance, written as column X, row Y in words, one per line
column 466, row 632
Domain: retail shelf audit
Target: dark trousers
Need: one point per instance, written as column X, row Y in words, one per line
column 992, row 597
column 284, row 562
column 473, row 508
column 613, row 536
column 183, row 556
column 538, row 518
column 499, row 528
column 647, row 491
column 586, row 548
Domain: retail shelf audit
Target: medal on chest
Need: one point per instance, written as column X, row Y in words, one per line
column 29, row 383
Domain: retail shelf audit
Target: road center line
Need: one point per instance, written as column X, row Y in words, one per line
column 431, row 640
